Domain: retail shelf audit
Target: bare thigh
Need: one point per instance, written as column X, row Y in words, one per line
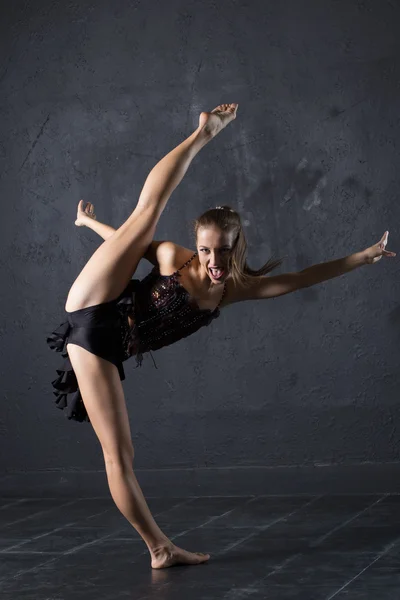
column 113, row 264
column 104, row 400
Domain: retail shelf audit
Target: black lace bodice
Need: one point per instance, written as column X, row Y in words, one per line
column 163, row 313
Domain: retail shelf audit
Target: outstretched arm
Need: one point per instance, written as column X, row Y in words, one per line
column 269, row 287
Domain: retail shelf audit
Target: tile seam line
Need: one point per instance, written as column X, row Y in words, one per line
column 40, row 513
column 211, row 520
column 259, row 530
column 59, row 557
column 299, row 554
column 380, row 555
column 18, row 501
column 72, row 551
column 105, row 537
column 322, row 538
column 42, row 535
column 218, row 468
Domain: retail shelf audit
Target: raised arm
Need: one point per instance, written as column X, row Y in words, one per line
column 278, row 285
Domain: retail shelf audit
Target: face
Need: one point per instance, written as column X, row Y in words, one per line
column 214, row 247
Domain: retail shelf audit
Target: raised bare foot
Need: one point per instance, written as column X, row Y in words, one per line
column 212, row 122
column 168, row 556
column 84, row 213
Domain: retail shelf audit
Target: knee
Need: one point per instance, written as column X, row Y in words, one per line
column 120, row 458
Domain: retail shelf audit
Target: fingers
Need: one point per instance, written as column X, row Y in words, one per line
column 383, row 243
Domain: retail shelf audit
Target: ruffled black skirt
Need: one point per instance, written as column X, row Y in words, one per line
column 102, row 329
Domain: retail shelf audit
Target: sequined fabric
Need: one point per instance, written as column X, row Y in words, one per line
column 147, row 315
column 164, row 313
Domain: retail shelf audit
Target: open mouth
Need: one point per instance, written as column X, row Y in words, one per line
column 216, row 273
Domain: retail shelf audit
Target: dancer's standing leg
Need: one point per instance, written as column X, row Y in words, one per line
column 104, row 401
column 103, row 278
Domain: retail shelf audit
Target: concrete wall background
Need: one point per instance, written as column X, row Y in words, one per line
column 93, row 94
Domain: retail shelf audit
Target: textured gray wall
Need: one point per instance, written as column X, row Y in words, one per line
column 93, row 94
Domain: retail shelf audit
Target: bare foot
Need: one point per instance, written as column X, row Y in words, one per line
column 168, row 556
column 213, row 122
column 84, row 213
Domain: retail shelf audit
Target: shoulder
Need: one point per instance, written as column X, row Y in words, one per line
column 234, row 292
column 167, row 255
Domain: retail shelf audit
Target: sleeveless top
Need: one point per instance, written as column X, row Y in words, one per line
column 163, row 312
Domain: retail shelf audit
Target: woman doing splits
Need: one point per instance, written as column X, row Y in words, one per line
column 111, row 317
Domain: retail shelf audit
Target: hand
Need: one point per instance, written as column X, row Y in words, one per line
column 84, row 213
column 375, row 253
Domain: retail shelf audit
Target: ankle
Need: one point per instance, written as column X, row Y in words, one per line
column 207, row 132
column 202, row 135
column 83, row 221
column 159, row 546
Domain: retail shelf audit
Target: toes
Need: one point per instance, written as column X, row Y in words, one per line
column 202, row 556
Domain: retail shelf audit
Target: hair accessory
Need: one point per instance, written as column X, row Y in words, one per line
column 224, row 208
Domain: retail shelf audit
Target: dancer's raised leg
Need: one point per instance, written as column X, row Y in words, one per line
column 112, row 265
column 104, row 400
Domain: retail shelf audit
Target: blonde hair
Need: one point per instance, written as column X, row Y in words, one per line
column 228, row 219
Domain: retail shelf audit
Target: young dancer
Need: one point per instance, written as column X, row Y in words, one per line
column 111, row 316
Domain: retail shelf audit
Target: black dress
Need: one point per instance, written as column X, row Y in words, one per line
column 162, row 312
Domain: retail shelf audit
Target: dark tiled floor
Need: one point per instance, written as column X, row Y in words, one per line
column 262, row 547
